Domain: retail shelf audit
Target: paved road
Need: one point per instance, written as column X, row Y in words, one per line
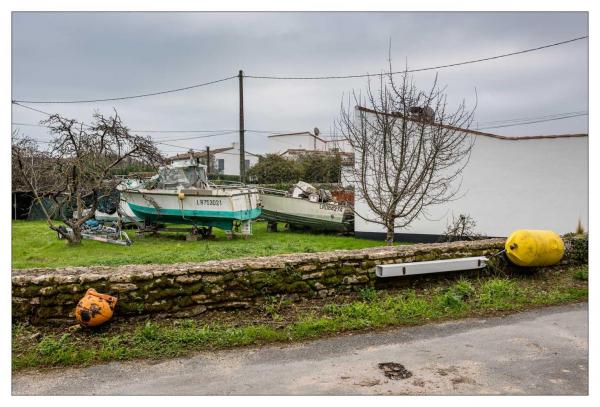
column 536, row 352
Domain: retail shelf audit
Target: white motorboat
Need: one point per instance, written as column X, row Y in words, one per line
column 306, row 207
column 181, row 193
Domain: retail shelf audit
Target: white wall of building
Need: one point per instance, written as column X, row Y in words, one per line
column 304, row 141
column 231, row 160
column 508, row 185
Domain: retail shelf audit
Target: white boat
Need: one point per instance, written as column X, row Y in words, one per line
column 181, row 193
column 306, row 207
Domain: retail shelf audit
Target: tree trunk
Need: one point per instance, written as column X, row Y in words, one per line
column 75, row 237
column 389, row 237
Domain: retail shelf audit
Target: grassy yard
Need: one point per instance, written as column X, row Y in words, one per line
column 35, row 245
column 281, row 321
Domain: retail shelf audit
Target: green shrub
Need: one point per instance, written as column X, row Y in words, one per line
column 450, row 299
column 498, row 291
column 150, row 331
column 455, row 296
column 581, row 273
column 576, row 248
column 368, row 294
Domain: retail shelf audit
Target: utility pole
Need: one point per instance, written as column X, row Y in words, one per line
column 242, row 149
column 207, row 161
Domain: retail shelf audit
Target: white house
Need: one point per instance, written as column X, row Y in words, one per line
column 509, row 183
column 226, row 159
column 304, row 140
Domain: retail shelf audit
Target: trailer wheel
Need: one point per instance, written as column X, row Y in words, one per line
column 206, row 232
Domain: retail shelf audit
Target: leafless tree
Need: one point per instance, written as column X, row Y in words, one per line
column 462, row 227
column 78, row 166
column 409, row 148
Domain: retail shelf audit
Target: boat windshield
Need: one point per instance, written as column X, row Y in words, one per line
column 187, row 176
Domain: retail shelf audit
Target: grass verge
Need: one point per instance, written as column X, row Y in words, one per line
column 35, row 245
column 280, row 321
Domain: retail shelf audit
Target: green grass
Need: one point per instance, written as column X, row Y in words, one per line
column 35, row 245
column 368, row 309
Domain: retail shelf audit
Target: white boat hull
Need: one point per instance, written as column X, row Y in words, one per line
column 219, row 207
column 302, row 212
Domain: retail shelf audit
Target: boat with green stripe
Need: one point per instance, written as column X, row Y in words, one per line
column 182, row 194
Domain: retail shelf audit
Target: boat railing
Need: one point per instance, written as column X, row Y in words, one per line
column 227, row 183
column 271, row 191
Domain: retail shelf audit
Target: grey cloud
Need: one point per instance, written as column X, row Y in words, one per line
column 96, row 55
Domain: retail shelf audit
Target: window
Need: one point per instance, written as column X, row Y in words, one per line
column 221, row 164
column 247, row 164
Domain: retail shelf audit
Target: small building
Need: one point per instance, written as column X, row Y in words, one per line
column 304, row 140
column 226, row 160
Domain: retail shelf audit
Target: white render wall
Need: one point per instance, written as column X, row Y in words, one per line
column 508, row 185
column 295, row 141
column 232, row 160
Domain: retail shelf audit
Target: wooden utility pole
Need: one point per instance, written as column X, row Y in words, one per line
column 207, row 160
column 242, row 149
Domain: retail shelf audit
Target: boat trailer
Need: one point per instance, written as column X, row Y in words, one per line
column 94, row 230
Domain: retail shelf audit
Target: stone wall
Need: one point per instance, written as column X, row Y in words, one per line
column 187, row 289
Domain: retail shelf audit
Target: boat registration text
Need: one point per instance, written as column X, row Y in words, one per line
column 331, row 207
column 214, row 202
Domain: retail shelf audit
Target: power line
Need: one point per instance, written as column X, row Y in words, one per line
column 532, row 122
column 196, row 137
column 14, row 102
column 497, row 124
column 551, row 116
column 126, row 97
column 303, row 77
column 419, row 69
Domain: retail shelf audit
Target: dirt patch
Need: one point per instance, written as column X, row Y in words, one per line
column 368, row 383
column 447, row 370
column 395, row 371
column 461, row 380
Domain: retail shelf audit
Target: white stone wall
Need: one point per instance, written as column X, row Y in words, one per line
column 508, row 185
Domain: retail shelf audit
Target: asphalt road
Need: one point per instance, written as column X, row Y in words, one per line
column 536, row 352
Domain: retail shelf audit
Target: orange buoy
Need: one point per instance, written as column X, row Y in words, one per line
column 94, row 308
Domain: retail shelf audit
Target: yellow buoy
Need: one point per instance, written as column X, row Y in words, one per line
column 534, row 248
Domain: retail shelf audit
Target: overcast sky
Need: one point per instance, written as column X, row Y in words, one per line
column 67, row 56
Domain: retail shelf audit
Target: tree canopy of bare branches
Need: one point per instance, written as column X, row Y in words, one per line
column 79, row 165
column 409, row 148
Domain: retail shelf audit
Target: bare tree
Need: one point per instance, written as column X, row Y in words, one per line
column 409, row 148
column 79, row 165
column 462, row 227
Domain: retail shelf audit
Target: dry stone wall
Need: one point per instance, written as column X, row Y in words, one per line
column 188, row 289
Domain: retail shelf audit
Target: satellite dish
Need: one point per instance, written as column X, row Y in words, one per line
column 316, row 131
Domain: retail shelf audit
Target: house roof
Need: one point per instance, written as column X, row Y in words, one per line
column 300, row 133
column 201, row 154
column 198, row 154
column 478, row 133
column 322, row 152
